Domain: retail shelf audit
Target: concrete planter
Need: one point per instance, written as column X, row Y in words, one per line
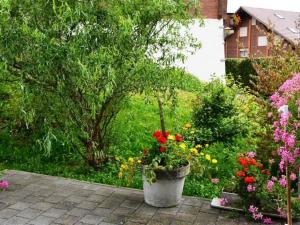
column 167, row 190
column 233, row 198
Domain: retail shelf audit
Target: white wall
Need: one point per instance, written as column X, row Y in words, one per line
column 209, row 59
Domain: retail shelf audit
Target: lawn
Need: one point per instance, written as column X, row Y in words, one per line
column 131, row 134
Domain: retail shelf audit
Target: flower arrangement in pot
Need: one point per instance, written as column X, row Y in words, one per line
column 164, row 168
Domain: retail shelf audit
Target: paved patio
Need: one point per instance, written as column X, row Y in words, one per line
column 41, row 200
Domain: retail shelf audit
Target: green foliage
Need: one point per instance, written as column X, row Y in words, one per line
column 67, row 67
column 241, row 71
column 215, row 115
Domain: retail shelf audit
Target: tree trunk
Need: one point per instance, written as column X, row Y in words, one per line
column 161, row 115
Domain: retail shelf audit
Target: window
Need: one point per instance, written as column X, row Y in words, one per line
column 253, row 21
column 262, row 41
column 243, row 31
column 244, row 52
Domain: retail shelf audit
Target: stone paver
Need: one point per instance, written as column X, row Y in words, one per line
column 35, row 199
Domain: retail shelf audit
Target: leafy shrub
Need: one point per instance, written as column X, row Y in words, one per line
column 215, row 114
column 280, row 66
column 241, row 71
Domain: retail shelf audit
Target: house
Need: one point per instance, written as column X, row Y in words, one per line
column 246, row 30
column 210, row 58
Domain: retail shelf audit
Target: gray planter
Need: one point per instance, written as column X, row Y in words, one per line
column 233, row 197
column 167, row 190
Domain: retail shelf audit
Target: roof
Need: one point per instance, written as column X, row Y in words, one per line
column 284, row 23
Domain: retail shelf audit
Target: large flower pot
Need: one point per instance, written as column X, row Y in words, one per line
column 167, row 190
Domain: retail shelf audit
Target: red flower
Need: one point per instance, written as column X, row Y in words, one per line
column 245, row 169
column 243, row 161
column 267, row 172
column 167, row 134
column 240, row 174
column 157, row 134
column 162, row 148
column 162, row 140
column 252, row 161
column 178, row 138
column 249, row 180
column 259, row 165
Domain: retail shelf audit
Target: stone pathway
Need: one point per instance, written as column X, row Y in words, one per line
column 42, row 200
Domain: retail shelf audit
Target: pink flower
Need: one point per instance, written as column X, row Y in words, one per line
column 257, row 216
column 277, row 134
column 281, row 212
column 223, row 201
column 293, row 176
column 251, row 154
column 282, row 181
column 284, row 118
column 215, row 180
column 4, row 184
column 299, row 198
column 274, row 178
column 267, row 220
column 252, row 209
column 251, row 188
column 270, row 185
column 291, row 140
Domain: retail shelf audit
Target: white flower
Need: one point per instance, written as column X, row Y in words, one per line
column 283, row 109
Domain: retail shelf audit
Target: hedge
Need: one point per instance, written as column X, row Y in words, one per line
column 240, row 71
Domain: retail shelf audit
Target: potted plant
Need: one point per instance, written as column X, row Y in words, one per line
column 164, row 168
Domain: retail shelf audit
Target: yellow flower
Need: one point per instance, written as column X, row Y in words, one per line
column 131, row 160
column 183, row 146
column 139, row 161
column 198, row 146
column 188, row 125
column 214, row 161
column 192, row 132
column 124, row 167
column 120, row 175
column 194, row 151
column 188, row 157
column 207, row 157
column 201, row 153
column 178, row 154
column 117, row 158
column 206, row 145
column 171, row 137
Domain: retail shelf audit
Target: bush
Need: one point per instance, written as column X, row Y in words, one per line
column 241, row 71
column 215, row 115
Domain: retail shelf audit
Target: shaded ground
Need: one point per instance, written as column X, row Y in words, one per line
column 43, row 200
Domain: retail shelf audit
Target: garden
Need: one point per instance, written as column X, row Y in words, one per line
column 81, row 96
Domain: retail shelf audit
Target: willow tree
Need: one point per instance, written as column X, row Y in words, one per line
column 75, row 62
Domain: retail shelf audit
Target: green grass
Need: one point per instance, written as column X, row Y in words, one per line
column 131, row 134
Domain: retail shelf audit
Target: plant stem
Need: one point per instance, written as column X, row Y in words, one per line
column 288, row 190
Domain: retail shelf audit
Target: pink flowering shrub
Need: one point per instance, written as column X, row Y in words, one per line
column 269, row 194
column 286, row 103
